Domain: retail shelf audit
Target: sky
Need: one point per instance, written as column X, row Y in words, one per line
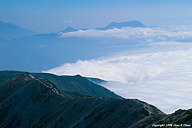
column 59, row 14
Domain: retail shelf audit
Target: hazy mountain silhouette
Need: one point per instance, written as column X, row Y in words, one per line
column 112, row 25
column 45, row 51
column 69, row 29
column 9, row 31
column 124, row 24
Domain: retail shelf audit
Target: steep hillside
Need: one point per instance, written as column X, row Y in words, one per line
column 73, row 85
column 28, row 101
column 11, row 86
column 38, row 103
column 180, row 118
column 26, row 104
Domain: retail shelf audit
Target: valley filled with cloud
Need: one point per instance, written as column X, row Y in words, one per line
column 159, row 70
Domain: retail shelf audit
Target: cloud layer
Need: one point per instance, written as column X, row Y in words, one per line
column 160, row 73
column 160, row 78
column 148, row 34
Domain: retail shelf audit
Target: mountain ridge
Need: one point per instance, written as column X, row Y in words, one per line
column 72, row 85
column 9, row 31
column 39, row 105
column 112, row 25
column 41, row 54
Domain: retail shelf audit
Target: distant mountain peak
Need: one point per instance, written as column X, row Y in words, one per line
column 8, row 30
column 69, row 29
column 112, row 25
column 133, row 23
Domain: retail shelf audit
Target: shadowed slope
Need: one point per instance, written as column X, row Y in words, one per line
column 39, row 103
column 73, row 85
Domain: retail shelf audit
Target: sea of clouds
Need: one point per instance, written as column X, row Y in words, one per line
column 159, row 73
column 147, row 34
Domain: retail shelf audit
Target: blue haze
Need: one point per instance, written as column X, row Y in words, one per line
column 46, row 16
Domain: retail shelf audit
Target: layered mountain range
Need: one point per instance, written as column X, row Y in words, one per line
column 45, row 100
column 45, row 51
column 9, row 31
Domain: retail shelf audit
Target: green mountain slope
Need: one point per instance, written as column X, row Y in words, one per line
column 72, row 85
column 180, row 118
column 38, row 103
column 28, row 101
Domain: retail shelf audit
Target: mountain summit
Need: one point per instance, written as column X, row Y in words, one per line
column 69, row 29
column 125, row 24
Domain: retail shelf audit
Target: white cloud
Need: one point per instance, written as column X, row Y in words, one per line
column 162, row 78
column 148, row 34
column 160, row 73
column 66, row 21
